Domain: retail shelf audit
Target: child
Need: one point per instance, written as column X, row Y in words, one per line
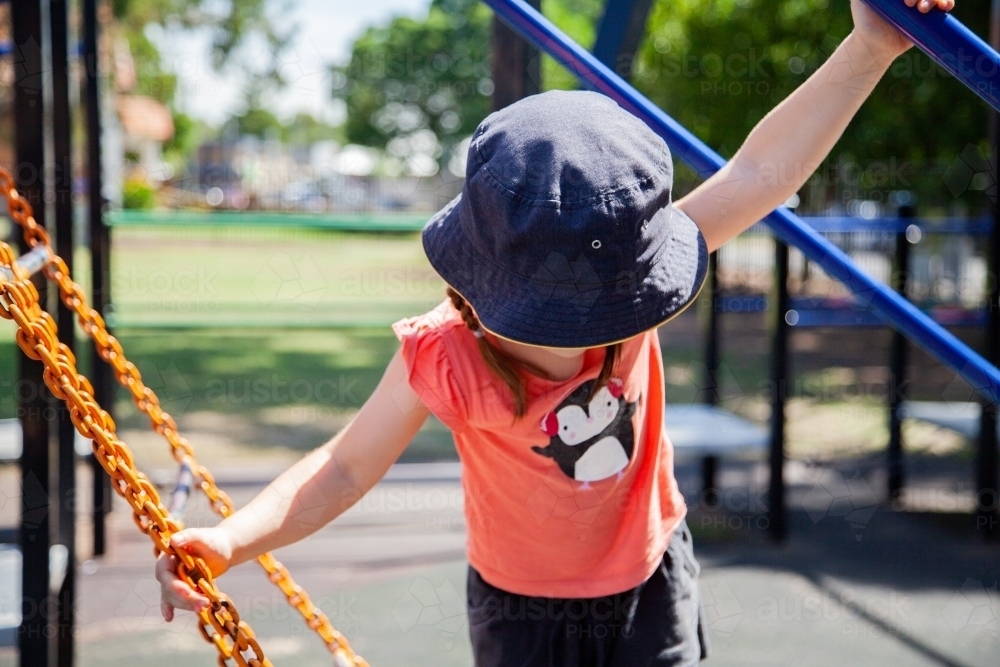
column 563, row 254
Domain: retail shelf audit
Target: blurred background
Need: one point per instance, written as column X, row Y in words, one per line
column 266, row 168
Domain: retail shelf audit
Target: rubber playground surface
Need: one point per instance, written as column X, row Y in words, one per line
column 856, row 583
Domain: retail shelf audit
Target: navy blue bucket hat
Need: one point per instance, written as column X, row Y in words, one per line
column 564, row 234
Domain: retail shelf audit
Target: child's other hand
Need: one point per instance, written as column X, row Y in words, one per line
column 212, row 545
column 882, row 38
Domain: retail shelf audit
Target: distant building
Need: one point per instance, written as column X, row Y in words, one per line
column 146, row 125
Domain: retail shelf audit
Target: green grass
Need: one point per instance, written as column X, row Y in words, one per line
column 8, row 370
column 266, row 388
column 290, row 389
column 178, row 278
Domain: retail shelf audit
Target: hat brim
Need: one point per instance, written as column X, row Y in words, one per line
column 536, row 311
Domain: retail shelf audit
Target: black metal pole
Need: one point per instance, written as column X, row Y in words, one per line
column 62, row 128
column 100, row 255
column 711, row 387
column 777, row 520
column 516, row 66
column 987, row 501
column 621, row 29
column 710, row 463
column 36, row 606
column 898, row 358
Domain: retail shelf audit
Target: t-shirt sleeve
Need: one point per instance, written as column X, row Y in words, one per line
column 431, row 369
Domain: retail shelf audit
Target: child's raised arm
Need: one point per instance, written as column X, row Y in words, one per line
column 792, row 140
column 308, row 495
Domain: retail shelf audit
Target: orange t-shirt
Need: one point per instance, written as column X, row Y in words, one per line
column 575, row 499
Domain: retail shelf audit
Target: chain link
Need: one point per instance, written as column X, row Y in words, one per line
column 37, row 338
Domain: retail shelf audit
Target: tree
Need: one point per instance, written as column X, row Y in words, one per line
column 233, row 24
column 718, row 67
column 258, row 122
column 417, row 87
column 304, row 129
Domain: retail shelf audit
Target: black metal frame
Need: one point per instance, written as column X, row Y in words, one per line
column 898, row 360
column 41, row 38
column 622, row 26
column 62, row 190
column 100, row 258
column 710, row 383
column 34, row 534
column 987, row 463
column 516, row 66
column 776, row 508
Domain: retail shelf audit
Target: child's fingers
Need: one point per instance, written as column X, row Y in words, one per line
column 166, row 569
column 167, row 610
column 925, row 6
column 181, row 596
column 174, row 592
column 205, row 543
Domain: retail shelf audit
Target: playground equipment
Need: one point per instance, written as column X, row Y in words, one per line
column 39, row 337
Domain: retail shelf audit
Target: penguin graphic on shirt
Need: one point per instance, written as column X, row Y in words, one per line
column 590, row 439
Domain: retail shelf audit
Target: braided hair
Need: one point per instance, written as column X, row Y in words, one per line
column 505, row 367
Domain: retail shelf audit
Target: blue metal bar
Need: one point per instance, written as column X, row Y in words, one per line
column 894, row 309
column 805, row 312
column 827, row 224
column 822, row 312
column 950, row 44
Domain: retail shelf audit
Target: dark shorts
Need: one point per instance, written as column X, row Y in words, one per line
column 656, row 623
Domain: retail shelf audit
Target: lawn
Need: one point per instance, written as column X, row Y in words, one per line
column 237, row 278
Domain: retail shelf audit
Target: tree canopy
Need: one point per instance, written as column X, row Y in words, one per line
column 232, row 24
column 718, row 66
column 413, row 80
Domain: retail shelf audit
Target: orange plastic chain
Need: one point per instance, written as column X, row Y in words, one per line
column 37, row 337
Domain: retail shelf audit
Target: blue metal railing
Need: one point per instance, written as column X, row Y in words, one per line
column 893, row 225
column 949, row 43
column 894, row 309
